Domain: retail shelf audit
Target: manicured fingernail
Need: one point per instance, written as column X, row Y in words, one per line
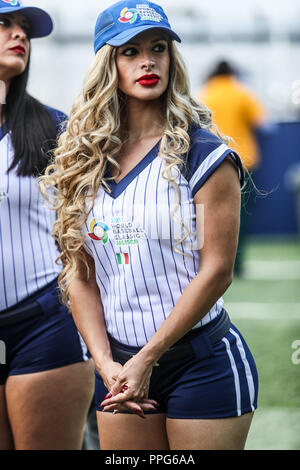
column 109, row 395
column 124, row 388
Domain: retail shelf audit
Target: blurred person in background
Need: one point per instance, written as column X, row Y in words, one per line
column 46, row 381
column 237, row 114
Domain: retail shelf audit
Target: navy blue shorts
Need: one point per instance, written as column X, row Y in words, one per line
column 47, row 341
column 215, row 382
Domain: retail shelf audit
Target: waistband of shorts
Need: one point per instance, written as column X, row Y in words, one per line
column 214, row 331
column 26, row 309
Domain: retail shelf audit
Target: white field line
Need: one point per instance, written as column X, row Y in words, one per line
column 272, row 270
column 263, row 311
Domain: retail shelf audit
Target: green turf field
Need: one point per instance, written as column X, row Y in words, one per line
column 265, row 306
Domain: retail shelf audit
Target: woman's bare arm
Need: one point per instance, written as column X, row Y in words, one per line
column 87, row 311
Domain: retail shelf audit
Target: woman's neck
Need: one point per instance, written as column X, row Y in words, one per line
column 144, row 119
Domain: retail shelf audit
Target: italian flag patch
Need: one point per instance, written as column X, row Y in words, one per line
column 123, row 258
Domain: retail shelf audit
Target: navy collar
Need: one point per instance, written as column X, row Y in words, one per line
column 3, row 131
column 119, row 188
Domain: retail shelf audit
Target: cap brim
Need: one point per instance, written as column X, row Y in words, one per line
column 41, row 23
column 124, row 37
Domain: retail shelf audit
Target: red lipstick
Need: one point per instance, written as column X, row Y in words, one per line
column 18, row 50
column 148, row 80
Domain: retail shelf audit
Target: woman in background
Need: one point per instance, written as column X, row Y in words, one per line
column 46, row 374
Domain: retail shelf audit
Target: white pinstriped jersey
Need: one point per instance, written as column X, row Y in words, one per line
column 130, row 234
column 27, row 249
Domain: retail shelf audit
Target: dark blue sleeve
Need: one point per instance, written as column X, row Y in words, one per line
column 59, row 118
column 206, row 154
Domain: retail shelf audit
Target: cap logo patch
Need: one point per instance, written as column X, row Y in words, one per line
column 11, row 2
column 128, row 15
column 147, row 13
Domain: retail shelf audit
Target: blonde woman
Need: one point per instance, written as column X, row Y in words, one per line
column 136, row 167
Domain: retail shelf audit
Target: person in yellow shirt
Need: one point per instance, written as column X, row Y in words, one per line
column 237, row 113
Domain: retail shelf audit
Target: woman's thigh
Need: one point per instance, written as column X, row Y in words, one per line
column 47, row 410
column 130, row 432
column 6, row 440
column 213, row 434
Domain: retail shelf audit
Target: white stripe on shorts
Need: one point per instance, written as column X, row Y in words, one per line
column 84, row 348
column 247, row 367
column 235, row 375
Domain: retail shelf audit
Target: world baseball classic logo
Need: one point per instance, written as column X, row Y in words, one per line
column 13, row 3
column 128, row 15
column 98, row 231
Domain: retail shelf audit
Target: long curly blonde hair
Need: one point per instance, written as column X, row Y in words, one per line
column 93, row 139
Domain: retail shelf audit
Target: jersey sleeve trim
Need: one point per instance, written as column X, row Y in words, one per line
column 211, row 163
column 240, row 167
column 3, row 131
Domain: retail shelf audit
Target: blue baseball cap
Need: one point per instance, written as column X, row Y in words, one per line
column 124, row 20
column 41, row 24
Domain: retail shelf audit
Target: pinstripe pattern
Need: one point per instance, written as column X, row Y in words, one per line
column 138, row 297
column 27, row 250
column 159, row 241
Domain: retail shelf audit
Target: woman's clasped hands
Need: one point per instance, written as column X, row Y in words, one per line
column 128, row 387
